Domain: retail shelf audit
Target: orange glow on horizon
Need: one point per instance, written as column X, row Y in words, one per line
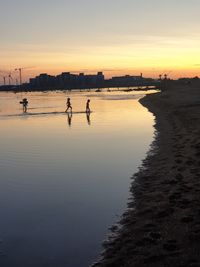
column 101, row 36
column 151, row 57
column 148, row 73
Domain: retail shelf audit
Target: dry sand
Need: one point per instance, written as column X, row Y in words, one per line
column 161, row 226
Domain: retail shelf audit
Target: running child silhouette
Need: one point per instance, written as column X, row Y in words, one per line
column 69, row 106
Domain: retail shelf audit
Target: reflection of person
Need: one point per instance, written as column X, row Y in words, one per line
column 69, row 106
column 88, row 118
column 69, row 116
column 24, row 102
column 88, row 106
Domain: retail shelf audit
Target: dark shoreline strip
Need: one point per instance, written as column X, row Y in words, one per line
column 161, row 226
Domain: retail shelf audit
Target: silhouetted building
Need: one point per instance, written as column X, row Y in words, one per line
column 42, row 81
column 66, row 80
column 127, row 80
column 100, row 79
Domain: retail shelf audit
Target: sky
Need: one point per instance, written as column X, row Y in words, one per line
column 115, row 36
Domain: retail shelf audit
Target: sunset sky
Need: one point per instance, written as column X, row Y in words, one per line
column 115, row 36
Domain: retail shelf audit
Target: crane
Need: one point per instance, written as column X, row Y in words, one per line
column 6, row 75
column 4, row 79
column 20, row 73
column 3, row 76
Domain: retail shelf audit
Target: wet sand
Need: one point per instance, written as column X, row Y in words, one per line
column 161, row 226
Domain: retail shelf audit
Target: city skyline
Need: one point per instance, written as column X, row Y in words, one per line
column 116, row 37
column 69, row 80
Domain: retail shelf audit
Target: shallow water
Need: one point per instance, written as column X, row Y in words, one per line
column 65, row 179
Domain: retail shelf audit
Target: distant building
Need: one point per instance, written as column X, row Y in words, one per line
column 126, row 80
column 42, row 81
column 66, row 80
column 100, row 79
column 81, row 80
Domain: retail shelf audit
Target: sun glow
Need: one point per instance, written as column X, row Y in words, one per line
column 109, row 39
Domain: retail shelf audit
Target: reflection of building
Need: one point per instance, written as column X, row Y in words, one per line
column 66, row 80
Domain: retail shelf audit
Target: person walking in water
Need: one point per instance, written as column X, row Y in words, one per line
column 69, row 106
column 24, row 102
column 88, row 106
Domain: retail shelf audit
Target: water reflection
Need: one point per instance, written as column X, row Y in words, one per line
column 88, row 118
column 70, row 115
column 69, row 118
column 58, row 186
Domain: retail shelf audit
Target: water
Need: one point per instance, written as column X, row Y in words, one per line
column 64, row 180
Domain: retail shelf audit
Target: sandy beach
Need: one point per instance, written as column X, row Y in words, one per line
column 161, row 226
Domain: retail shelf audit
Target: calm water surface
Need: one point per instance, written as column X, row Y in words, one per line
column 64, row 180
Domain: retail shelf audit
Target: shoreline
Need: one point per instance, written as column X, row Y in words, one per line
column 161, row 226
column 93, row 89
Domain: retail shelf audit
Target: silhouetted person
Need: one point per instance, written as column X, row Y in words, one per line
column 69, row 106
column 88, row 106
column 88, row 118
column 24, row 103
column 69, row 116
